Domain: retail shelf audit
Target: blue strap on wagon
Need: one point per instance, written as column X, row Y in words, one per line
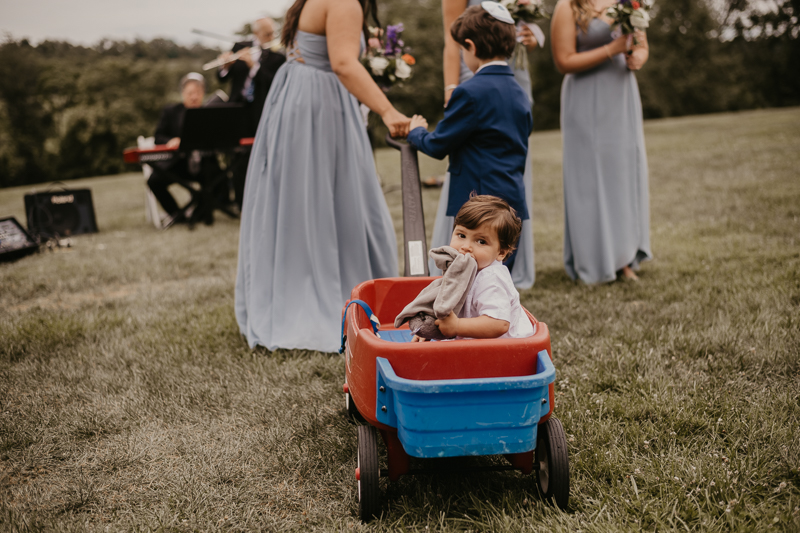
column 372, row 319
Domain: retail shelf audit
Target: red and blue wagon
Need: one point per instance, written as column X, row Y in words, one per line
column 444, row 399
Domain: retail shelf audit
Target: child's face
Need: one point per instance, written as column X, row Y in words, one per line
column 481, row 243
column 470, row 59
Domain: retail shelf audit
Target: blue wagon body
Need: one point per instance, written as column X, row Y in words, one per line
column 457, row 417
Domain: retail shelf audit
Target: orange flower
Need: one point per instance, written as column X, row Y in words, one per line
column 409, row 59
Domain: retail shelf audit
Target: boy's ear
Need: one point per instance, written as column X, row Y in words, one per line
column 469, row 44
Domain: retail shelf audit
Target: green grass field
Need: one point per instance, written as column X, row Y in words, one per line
column 128, row 400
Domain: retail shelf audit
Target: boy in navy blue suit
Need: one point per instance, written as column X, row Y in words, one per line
column 488, row 119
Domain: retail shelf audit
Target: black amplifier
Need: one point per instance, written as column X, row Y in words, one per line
column 60, row 213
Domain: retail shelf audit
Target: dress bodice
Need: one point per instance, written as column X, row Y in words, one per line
column 311, row 50
column 597, row 34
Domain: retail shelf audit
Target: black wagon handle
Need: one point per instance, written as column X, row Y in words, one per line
column 415, row 245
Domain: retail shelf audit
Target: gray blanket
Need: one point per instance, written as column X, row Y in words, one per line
column 444, row 295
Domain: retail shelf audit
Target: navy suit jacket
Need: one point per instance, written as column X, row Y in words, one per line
column 485, row 132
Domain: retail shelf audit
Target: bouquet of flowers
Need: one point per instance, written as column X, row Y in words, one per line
column 525, row 10
column 525, row 13
column 629, row 16
column 388, row 62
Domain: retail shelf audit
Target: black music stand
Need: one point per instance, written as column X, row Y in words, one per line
column 219, row 127
column 211, row 130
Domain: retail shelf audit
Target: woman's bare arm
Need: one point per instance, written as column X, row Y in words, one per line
column 451, row 10
column 343, row 27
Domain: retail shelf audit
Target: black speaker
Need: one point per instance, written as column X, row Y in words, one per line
column 14, row 240
column 60, row 213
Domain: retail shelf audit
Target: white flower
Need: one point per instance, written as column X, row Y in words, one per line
column 640, row 19
column 402, row 70
column 378, row 65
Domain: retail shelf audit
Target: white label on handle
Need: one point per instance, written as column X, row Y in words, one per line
column 416, row 258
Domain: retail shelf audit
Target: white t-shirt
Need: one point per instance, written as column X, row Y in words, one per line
column 493, row 294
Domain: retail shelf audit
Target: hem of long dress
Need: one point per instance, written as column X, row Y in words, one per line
column 257, row 342
column 639, row 257
column 254, row 345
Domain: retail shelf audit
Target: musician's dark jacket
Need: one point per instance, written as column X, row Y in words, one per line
column 237, row 74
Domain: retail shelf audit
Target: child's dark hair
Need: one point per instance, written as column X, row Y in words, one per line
column 492, row 37
column 483, row 208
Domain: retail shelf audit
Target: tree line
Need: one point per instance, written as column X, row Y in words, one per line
column 68, row 111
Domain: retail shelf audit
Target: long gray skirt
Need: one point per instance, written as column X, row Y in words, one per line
column 314, row 220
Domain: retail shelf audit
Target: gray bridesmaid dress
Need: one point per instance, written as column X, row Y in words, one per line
column 524, row 273
column 314, row 221
column 606, row 206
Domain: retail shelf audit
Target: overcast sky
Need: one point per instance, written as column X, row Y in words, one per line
column 87, row 21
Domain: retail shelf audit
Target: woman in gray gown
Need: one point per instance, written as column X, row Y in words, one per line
column 456, row 72
column 314, row 220
column 606, row 206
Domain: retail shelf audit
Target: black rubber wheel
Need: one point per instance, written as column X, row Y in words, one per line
column 368, row 487
column 553, row 461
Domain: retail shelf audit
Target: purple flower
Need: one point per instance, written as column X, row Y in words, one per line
column 393, row 41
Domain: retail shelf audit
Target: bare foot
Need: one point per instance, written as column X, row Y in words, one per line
column 629, row 274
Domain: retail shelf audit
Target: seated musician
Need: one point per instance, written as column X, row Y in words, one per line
column 251, row 78
column 179, row 169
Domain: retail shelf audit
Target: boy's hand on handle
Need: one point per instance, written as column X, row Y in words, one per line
column 418, row 339
column 396, row 122
column 448, row 325
column 418, row 121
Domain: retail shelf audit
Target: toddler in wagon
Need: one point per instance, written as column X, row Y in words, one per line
column 487, row 229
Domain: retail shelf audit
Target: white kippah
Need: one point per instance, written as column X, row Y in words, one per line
column 497, row 11
column 193, row 76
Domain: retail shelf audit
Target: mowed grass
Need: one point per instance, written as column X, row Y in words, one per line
column 129, row 401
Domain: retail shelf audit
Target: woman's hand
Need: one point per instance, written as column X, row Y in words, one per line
column 635, row 60
column 418, row 121
column 448, row 325
column 527, row 38
column 396, row 122
column 639, row 53
column 618, row 45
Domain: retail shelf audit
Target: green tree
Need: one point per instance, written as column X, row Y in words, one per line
column 25, row 115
